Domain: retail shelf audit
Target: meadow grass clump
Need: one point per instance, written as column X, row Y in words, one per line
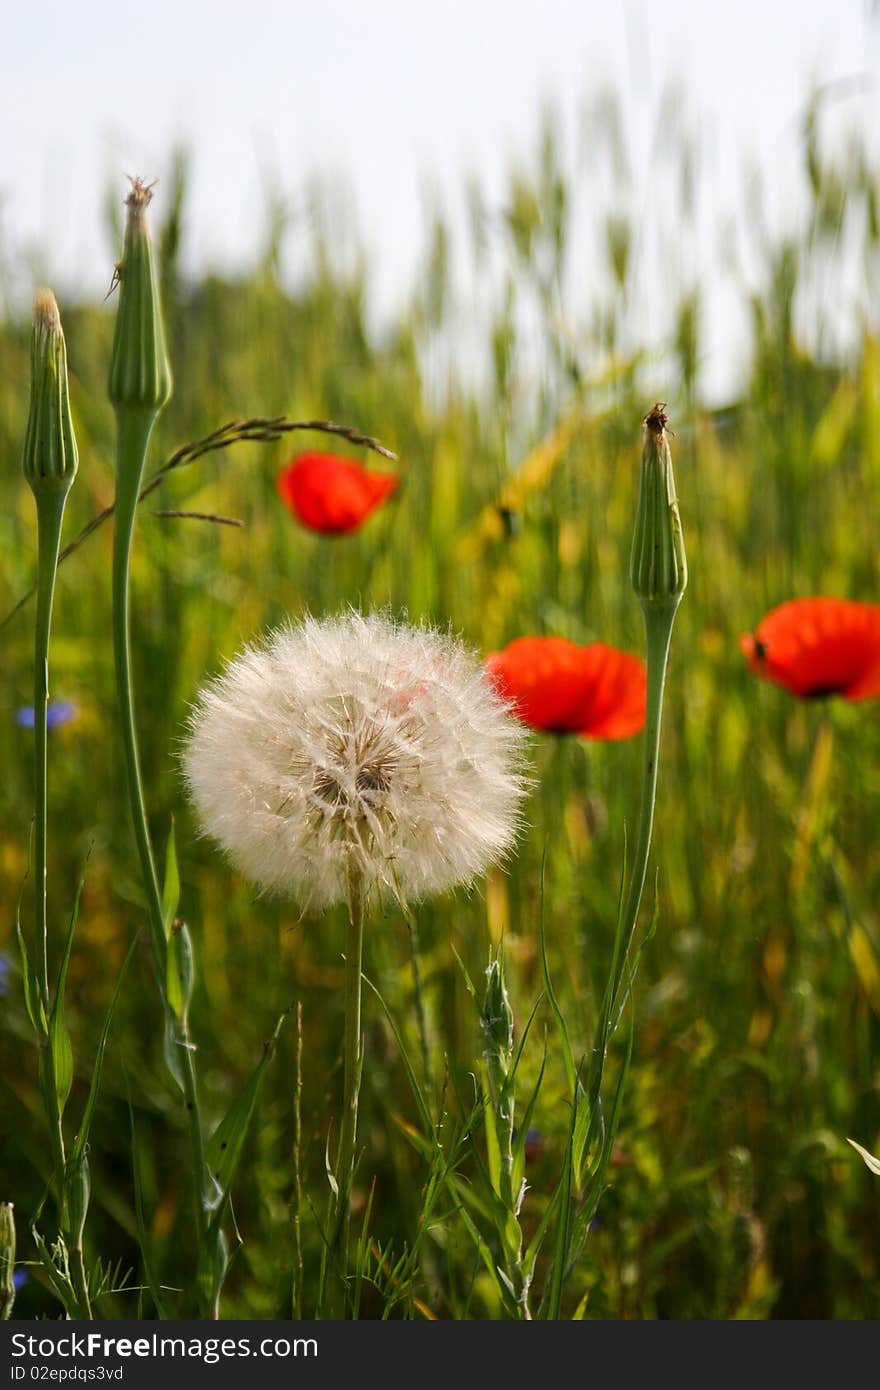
column 729, row 1189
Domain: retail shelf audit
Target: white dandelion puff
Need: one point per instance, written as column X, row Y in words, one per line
column 356, row 746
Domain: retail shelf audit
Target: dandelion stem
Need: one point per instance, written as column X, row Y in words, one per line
column 353, row 1060
column 421, row 1017
column 297, row 1290
column 135, row 426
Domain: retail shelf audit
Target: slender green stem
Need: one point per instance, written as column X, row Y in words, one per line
column 297, row 1289
column 50, row 513
column 421, row 1016
column 658, row 632
column 354, row 950
column 135, row 426
column 80, row 1284
column 352, row 1061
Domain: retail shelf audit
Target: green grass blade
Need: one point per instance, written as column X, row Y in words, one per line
column 82, row 1137
column 418, row 1095
column 551, row 995
column 143, row 1238
column 59, row 1036
column 223, row 1149
column 171, row 885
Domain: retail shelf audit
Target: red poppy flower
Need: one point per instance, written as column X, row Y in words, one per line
column 331, row 494
column 819, row 646
column 556, row 685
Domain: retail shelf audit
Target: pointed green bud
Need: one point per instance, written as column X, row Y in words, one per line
column 7, row 1259
column 49, row 457
column 497, row 1017
column 658, row 567
column 140, row 375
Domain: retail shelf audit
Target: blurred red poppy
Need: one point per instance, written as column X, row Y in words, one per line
column 562, row 688
column 819, row 646
column 331, row 494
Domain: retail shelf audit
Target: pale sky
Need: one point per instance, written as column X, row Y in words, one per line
column 400, row 97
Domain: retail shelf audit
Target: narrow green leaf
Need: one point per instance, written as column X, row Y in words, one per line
column 525, row 1033
column 468, row 982
column 179, row 969
column 519, row 1143
column 59, row 1283
column 482, row 1248
column 171, row 1051
column 32, row 1001
column 223, row 1150
column 554, row 1004
column 563, row 1227
column 424, row 1112
column 62, row 1055
column 59, row 1037
column 868, row 1158
column 82, row 1137
column 143, row 1238
column 171, row 886
column 493, row 1149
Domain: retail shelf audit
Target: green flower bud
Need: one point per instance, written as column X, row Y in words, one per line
column 497, row 1018
column 140, row 375
column 658, row 567
column 49, row 458
column 7, row 1259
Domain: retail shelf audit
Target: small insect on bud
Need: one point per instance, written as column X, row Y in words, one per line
column 658, row 567
column 49, row 457
column 7, row 1259
column 140, row 375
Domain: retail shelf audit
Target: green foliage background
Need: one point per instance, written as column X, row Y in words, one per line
column 757, row 1044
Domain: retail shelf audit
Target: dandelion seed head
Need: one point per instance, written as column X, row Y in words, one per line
column 356, row 745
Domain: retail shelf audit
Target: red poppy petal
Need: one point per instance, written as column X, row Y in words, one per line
column 542, row 677
column 819, row 646
column 330, row 494
column 618, row 697
column 560, row 687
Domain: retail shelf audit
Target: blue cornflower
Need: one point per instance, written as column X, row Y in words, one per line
column 19, row 1278
column 59, row 712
